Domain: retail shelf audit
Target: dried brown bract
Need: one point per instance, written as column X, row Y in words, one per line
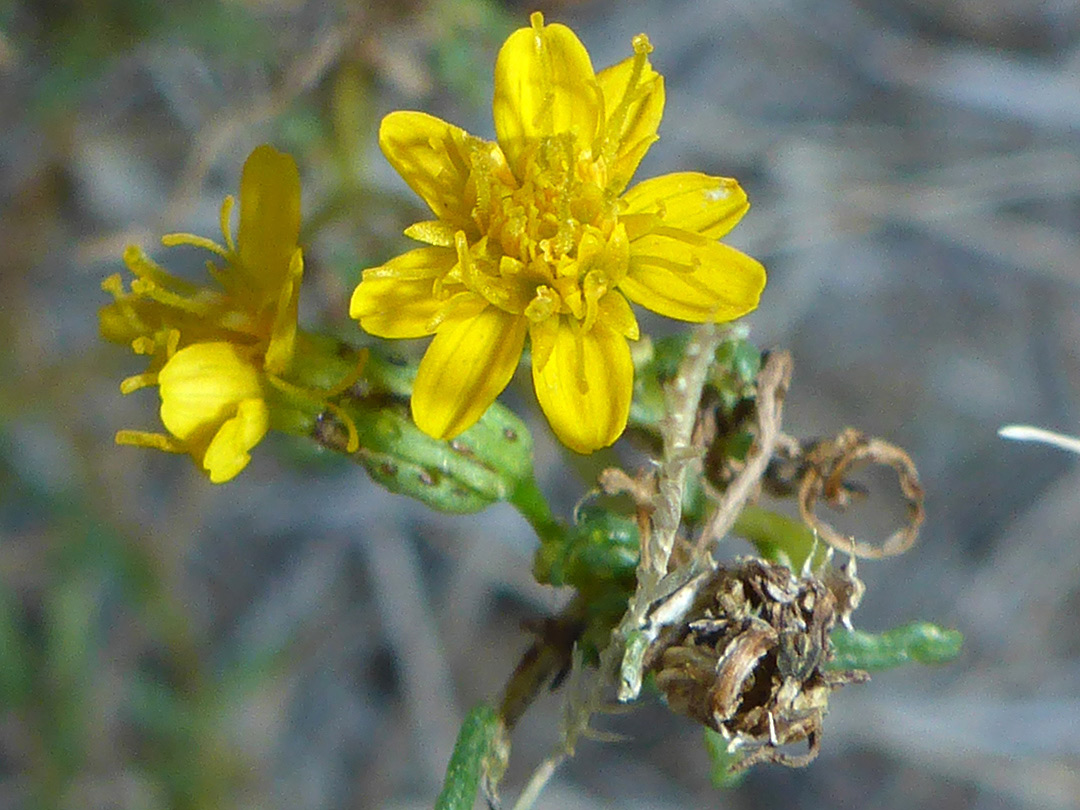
column 749, row 661
column 821, row 470
column 829, row 462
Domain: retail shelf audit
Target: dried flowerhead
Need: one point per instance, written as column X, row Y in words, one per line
column 749, row 662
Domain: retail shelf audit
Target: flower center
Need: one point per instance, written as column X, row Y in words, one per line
column 551, row 243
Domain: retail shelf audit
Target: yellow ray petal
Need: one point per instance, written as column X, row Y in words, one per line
column 467, row 365
column 269, row 217
column 544, row 86
column 394, row 308
column 433, row 232
column 695, row 202
column 634, row 101
column 616, row 313
column 584, row 387
column 396, row 300
column 432, row 156
column 228, row 452
column 202, row 385
column 279, row 351
column 692, row 282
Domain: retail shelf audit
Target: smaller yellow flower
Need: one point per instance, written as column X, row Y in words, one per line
column 254, row 303
column 213, row 406
column 214, row 351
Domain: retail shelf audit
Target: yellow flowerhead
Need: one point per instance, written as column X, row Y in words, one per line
column 254, row 301
column 536, row 235
column 212, row 349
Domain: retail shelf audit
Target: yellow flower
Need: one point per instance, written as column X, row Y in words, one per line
column 254, row 302
column 537, row 236
column 214, row 349
column 213, row 407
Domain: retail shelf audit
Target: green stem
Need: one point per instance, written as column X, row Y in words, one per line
column 473, row 745
column 533, row 506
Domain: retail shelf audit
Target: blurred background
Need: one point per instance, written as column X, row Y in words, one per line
column 299, row 638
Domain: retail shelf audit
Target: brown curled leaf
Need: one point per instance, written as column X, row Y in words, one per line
column 827, row 467
column 737, row 664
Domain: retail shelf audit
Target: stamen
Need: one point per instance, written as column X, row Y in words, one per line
column 144, row 345
column 480, row 164
column 465, row 262
column 114, row 285
column 543, row 305
column 138, row 381
column 142, row 266
column 613, row 131
column 353, row 442
column 122, row 301
column 350, row 379
column 226, row 215
column 219, row 274
column 320, row 396
column 144, row 288
column 154, row 441
column 509, row 267
column 173, row 239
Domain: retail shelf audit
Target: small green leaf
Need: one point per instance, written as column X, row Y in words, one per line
column 777, row 537
column 721, row 773
column 600, row 549
column 738, row 362
column 745, row 361
column 482, row 466
column 472, row 747
column 919, row 642
column 489, row 462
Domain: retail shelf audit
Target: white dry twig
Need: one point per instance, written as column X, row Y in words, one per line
column 1027, row 433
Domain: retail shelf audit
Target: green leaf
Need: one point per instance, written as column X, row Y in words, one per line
column 487, row 463
column 472, row 747
column 482, row 466
column 722, row 760
column 777, row 537
column 919, row 642
column 654, row 364
column 737, row 364
column 599, row 550
column 745, row 361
